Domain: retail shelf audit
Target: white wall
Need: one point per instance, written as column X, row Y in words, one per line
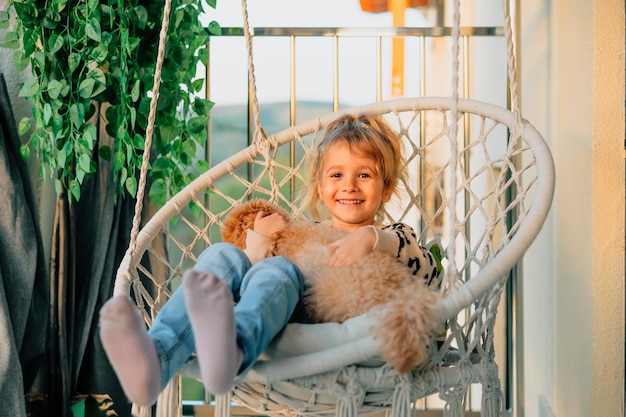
column 573, row 90
column 539, row 277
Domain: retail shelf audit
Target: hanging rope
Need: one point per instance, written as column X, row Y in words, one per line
column 260, row 139
column 149, row 130
column 259, row 134
column 451, row 271
column 510, row 49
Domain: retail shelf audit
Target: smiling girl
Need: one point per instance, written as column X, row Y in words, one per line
column 233, row 302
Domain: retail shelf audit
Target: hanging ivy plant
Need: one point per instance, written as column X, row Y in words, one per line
column 93, row 62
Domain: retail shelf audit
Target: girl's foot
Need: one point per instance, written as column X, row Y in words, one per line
column 211, row 312
column 130, row 350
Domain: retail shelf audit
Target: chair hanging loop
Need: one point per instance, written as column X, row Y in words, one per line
column 259, row 135
column 145, row 161
column 512, row 64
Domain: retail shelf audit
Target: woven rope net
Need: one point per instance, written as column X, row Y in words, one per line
column 504, row 188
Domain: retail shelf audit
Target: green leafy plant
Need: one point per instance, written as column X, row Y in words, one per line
column 92, row 65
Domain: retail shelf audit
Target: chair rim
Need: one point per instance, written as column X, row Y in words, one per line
column 454, row 300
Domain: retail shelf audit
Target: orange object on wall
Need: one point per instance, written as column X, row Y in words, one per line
column 379, row 6
column 397, row 9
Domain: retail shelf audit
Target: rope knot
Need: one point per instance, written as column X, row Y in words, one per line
column 263, row 143
column 351, row 396
column 401, row 404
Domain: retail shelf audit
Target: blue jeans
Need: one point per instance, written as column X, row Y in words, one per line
column 266, row 295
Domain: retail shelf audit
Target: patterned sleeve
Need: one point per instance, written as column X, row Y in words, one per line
column 401, row 240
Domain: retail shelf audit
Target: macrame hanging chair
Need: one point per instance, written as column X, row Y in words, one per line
column 493, row 181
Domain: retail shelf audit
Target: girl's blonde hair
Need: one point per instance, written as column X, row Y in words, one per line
column 367, row 136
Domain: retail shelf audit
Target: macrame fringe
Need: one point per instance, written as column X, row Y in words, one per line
column 350, row 401
column 170, row 400
column 493, row 397
column 347, row 406
column 454, row 407
column 222, row 405
column 454, row 395
column 138, row 411
column 492, row 404
column 401, row 405
column 169, row 403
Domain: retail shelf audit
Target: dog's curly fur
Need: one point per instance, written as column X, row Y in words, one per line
column 335, row 294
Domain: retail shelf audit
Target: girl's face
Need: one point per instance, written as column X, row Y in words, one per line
column 351, row 188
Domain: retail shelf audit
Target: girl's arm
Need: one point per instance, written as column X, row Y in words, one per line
column 400, row 240
column 260, row 241
column 258, row 246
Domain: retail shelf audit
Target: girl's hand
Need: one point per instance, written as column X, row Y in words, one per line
column 267, row 224
column 348, row 249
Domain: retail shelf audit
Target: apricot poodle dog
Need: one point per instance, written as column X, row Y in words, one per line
column 335, row 294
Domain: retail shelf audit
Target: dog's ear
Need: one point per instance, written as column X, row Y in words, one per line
column 241, row 218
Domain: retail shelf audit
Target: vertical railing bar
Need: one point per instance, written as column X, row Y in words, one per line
column 422, row 135
column 379, row 68
column 250, row 123
column 292, row 80
column 422, row 145
column 512, row 281
column 466, row 168
column 515, row 400
column 292, row 114
column 466, row 135
column 422, row 39
column 336, row 73
column 207, row 148
column 465, row 194
column 514, row 318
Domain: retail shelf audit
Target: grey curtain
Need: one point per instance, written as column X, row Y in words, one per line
column 24, row 283
column 50, row 351
column 102, row 235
